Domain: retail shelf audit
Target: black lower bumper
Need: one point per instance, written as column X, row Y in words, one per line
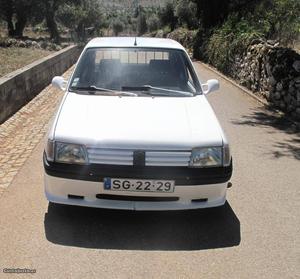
column 181, row 175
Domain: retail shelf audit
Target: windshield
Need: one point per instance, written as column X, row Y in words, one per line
column 165, row 72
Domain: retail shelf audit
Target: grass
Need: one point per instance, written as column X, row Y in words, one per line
column 13, row 58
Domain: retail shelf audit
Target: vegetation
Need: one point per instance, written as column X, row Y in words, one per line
column 224, row 28
column 167, row 16
column 74, row 14
column 16, row 14
column 141, row 22
column 80, row 16
column 153, row 23
column 117, row 26
column 184, row 36
column 228, row 41
column 186, row 13
column 276, row 20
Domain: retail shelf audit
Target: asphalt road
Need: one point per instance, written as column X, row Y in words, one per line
column 255, row 235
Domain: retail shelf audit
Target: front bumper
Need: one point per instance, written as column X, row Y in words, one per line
column 83, row 186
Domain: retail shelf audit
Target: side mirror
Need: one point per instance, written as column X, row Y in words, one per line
column 210, row 86
column 60, row 83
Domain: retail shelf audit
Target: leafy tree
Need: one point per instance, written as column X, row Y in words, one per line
column 117, row 26
column 213, row 12
column 49, row 9
column 16, row 13
column 281, row 19
column 142, row 24
column 133, row 26
column 186, row 13
column 79, row 17
column 153, row 23
column 167, row 15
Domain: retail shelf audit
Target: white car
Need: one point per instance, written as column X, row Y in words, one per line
column 135, row 131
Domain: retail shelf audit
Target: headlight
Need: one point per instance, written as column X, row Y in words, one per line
column 206, row 157
column 70, row 153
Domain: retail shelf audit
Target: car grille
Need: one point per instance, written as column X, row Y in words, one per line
column 126, row 157
column 170, row 158
column 110, row 156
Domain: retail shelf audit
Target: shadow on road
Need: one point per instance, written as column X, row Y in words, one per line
column 266, row 118
column 130, row 230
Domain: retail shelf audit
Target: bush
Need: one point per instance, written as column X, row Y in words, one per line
column 200, row 44
column 153, row 23
column 230, row 41
column 269, row 19
column 184, row 36
column 278, row 19
column 167, row 15
column 141, row 24
column 118, row 27
column 186, row 13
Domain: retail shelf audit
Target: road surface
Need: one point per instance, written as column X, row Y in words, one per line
column 255, row 235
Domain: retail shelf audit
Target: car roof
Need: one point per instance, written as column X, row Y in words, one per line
column 145, row 42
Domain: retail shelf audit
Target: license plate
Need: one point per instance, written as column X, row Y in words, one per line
column 139, row 185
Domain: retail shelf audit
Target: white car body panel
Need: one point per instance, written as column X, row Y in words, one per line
column 57, row 190
column 142, row 123
column 141, row 42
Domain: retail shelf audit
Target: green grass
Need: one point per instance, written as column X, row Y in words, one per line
column 13, row 58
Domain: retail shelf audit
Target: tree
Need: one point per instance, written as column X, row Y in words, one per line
column 186, row 13
column 80, row 16
column 153, row 23
column 16, row 14
column 117, row 26
column 167, row 16
column 142, row 24
column 49, row 8
column 283, row 19
column 213, row 12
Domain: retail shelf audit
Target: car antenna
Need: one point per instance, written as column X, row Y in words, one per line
column 135, row 43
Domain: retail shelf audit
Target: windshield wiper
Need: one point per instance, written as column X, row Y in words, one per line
column 148, row 88
column 92, row 89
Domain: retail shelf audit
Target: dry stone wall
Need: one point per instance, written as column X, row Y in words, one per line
column 270, row 71
column 273, row 72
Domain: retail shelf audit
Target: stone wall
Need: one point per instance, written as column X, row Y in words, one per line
column 272, row 72
column 19, row 87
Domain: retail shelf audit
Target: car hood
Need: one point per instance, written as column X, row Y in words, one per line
column 168, row 123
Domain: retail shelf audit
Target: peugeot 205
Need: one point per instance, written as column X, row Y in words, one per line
column 135, row 131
